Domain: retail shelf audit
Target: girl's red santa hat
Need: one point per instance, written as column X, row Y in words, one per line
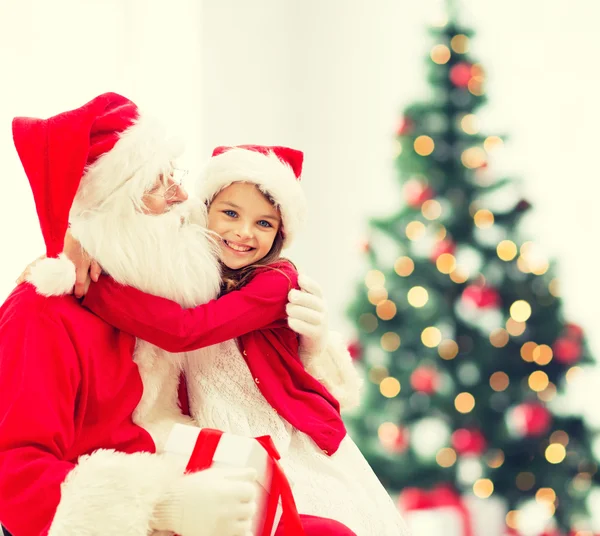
column 80, row 161
column 275, row 170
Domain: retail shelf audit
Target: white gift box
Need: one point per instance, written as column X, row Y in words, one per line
column 487, row 518
column 232, row 451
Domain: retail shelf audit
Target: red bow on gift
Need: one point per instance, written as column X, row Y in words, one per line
column 439, row 497
column 202, row 458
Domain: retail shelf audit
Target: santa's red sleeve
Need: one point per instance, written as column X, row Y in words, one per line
column 164, row 323
column 41, row 492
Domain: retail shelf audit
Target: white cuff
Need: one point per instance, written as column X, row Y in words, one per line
column 112, row 492
column 336, row 371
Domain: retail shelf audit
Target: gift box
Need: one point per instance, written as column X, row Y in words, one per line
column 443, row 511
column 202, row 448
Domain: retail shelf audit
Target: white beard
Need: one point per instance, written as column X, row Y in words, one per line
column 156, row 254
column 159, row 255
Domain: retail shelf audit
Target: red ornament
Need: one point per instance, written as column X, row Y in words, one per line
column 466, row 441
column 416, row 193
column 441, row 247
column 481, row 297
column 573, row 331
column 460, row 74
column 425, row 380
column 530, row 419
column 405, row 126
column 566, row 351
column 355, row 350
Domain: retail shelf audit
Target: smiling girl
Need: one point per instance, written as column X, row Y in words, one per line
column 256, row 383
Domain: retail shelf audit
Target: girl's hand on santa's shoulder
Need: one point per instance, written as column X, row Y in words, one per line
column 86, row 268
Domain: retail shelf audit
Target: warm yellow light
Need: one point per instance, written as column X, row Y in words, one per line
column 495, row 458
column 554, row 288
column 448, row 349
column 389, row 387
column 499, row 381
column 424, row 145
column 460, row 44
column 473, row 157
column 538, row 381
column 390, row 341
column 368, row 322
column 440, row 54
column 377, row 295
column 459, row 275
column 415, row 230
column 499, row 338
column 548, row 393
column 484, row 219
column 525, row 481
column 404, row 266
column 388, row 432
column 470, row 124
column 512, row 519
column 431, row 209
column 483, row 488
column 446, row 457
column 377, row 374
column 527, row 351
column 440, row 232
column 545, row 496
column 418, row 296
column 506, row 250
column 555, row 453
column 520, row 311
column 515, row 328
column 446, row 263
column 543, row 354
column 560, row 436
column 492, row 143
column 374, row 279
column 476, row 86
column 572, row 373
column 431, row 337
column 464, row 402
column 386, row 310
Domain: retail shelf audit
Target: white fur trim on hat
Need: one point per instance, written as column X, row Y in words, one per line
column 142, row 152
column 52, row 276
column 274, row 178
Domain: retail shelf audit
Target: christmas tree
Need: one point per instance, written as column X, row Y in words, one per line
column 461, row 331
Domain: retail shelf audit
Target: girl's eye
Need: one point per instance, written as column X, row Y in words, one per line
column 231, row 213
column 264, row 223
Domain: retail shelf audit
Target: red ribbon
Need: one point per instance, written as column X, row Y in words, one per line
column 202, row 458
column 441, row 496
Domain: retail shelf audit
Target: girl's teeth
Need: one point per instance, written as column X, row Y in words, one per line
column 238, row 248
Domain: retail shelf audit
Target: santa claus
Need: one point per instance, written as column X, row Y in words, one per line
column 82, row 423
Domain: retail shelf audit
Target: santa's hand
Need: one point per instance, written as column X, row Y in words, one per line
column 23, row 277
column 214, row 502
column 86, row 268
column 307, row 316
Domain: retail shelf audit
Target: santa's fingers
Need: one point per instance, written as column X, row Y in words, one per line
column 306, row 300
column 95, row 271
column 308, row 284
column 310, row 316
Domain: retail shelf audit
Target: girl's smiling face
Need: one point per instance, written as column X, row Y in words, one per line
column 247, row 223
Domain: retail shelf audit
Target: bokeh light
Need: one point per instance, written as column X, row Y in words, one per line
column 404, row 266
column 389, row 387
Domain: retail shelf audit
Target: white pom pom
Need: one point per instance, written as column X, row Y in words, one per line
column 53, row 277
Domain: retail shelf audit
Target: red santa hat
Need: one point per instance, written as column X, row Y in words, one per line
column 275, row 170
column 77, row 160
column 82, row 156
